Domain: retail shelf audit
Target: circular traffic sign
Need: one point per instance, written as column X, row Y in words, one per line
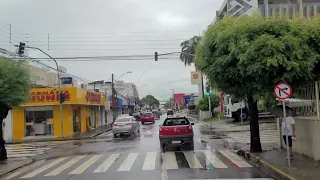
column 282, row 90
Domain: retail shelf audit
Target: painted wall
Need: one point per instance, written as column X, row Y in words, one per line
column 18, row 123
column 7, row 127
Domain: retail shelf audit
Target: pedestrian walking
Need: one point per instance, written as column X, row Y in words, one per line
column 288, row 128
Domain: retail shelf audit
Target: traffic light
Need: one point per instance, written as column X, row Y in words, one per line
column 208, row 91
column 62, row 97
column 21, row 48
column 156, row 56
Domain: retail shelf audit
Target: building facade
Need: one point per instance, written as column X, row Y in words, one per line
column 306, row 8
column 82, row 110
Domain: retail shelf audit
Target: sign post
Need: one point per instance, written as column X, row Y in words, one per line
column 283, row 91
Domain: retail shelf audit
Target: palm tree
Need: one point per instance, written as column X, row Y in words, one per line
column 189, row 47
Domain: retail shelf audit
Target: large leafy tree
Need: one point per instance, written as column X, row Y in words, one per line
column 14, row 89
column 188, row 49
column 247, row 56
column 203, row 104
column 151, row 101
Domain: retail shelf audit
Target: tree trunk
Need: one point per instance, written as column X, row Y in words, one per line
column 254, row 125
column 4, row 109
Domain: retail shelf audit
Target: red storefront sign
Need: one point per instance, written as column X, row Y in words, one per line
column 49, row 96
column 93, row 97
column 179, row 98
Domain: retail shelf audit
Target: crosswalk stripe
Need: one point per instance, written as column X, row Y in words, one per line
column 25, row 148
column 20, row 155
column 214, row 160
column 235, row 159
column 107, row 163
column 43, row 168
column 150, row 161
column 86, row 164
column 64, row 166
column 25, row 169
column 170, row 160
column 192, row 160
column 128, row 162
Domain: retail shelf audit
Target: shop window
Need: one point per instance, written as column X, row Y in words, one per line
column 39, row 122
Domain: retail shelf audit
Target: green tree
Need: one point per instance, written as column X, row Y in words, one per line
column 247, row 56
column 167, row 105
column 150, row 101
column 14, row 90
column 203, row 104
column 189, row 47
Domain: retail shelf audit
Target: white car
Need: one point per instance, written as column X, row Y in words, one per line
column 125, row 125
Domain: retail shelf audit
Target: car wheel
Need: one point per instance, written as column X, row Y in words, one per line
column 114, row 135
column 192, row 146
column 142, row 123
column 163, row 148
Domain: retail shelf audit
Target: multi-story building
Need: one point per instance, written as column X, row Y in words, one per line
column 126, row 96
column 307, row 8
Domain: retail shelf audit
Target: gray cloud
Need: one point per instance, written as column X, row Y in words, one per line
column 124, row 27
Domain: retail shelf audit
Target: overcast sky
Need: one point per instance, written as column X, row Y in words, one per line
column 111, row 28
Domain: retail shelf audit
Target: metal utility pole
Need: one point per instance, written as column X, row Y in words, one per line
column 59, row 84
column 113, row 100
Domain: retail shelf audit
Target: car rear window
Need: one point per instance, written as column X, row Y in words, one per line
column 123, row 120
column 147, row 114
column 176, row 122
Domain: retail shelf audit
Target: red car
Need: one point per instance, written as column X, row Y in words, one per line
column 176, row 131
column 147, row 117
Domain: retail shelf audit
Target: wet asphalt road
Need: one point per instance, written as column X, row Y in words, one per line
column 139, row 157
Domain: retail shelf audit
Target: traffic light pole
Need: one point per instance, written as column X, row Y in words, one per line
column 59, row 85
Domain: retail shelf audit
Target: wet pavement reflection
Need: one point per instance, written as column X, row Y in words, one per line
column 140, row 157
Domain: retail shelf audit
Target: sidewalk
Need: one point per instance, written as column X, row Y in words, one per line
column 302, row 167
column 12, row 164
column 86, row 135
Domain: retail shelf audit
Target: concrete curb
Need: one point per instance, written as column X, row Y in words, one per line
column 265, row 165
column 17, row 167
column 58, row 139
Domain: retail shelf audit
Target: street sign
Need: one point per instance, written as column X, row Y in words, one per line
column 282, row 91
column 195, row 77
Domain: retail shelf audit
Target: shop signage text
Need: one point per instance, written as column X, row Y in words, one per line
column 93, row 97
column 48, row 96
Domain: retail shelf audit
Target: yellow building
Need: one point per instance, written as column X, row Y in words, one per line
column 81, row 111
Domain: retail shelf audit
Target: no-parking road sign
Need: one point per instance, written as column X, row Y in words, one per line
column 282, row 91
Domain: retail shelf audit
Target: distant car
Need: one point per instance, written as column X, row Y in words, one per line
column 147, row 117
column 169, row 112
column 176, row 131
column 125, row 125
column 156, row 114
column 136, row 115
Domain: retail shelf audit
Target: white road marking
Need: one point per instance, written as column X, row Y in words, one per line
column 25, row 169
column 213, row 159
column 86, row 164
column 237, row 160
column 170, row 160
column 164, row 173
column 107, row 163
column 150, row 161
column 192, row 160
column 43, row 168
column 128, row 162
column 65, row 166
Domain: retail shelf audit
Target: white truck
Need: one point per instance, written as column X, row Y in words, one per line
column 232, row 109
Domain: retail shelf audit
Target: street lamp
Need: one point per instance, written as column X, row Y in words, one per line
column 123, row 75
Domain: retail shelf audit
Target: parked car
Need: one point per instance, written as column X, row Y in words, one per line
column 125, row 125
column 136, row 115
column 176, row 131
column 147, row 117
column 156, row 114
column 169, row 112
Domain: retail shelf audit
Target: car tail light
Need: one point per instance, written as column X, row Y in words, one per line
column 160, row 129
column 190, row 127
column 130, row 123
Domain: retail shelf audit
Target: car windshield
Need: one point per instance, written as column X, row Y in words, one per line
column 147, row 114
column 135, row 114
column 176, row 122
column 123, row 120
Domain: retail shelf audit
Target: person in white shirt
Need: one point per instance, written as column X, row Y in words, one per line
column 288, row 128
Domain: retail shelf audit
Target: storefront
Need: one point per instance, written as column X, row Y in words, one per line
column 41, row 116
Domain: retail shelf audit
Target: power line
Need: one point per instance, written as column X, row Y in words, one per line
column 143, row 73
